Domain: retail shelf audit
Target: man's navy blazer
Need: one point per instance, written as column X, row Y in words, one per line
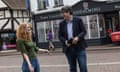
column 78, row 30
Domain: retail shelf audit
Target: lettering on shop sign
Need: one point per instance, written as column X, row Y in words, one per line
column 92, row 10
column 117, row 6
column 54, row 16
column 49, row 17
column 44, row 17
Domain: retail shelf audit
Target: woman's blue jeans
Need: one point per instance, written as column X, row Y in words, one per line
column 74, row 55
column 34, row 63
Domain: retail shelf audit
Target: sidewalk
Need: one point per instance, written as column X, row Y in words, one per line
column 59, row 50
column 104, row 47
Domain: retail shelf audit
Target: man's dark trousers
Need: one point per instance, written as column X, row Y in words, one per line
column 76, row 54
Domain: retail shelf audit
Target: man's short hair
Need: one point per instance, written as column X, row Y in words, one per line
column 66, row 9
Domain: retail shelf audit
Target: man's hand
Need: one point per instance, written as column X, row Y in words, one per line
column 67, row 44
column 75, row 40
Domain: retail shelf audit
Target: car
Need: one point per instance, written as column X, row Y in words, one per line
column 115, row 36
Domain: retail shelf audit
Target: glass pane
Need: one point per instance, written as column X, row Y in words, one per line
column 41, row 4
column 43, row 27
column 84, row 19
column 93, row 26
column 55, row 29
column 116, row 24
column 56, row 2
column 102, row 26
column 41, row 31
column 47, row 3
column 48, row 27
column 61, row 2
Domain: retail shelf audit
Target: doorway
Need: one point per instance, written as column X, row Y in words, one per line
column 112, row 21
column 111, row 24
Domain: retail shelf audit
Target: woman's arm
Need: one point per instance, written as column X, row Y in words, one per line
column 28, row 62
column 27, row 59
column 40, row 49
column 43, row 50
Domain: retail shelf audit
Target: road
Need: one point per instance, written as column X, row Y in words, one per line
column 98, row 61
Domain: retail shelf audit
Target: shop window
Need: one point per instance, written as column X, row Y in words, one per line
column 47, row 3
column 41, row 31
column 116, row 24
column 43, row 27
column 84, row 19
column 41, row 4
column 55, row 29
column 102, row 26
column 93, row 26
column 58, row 3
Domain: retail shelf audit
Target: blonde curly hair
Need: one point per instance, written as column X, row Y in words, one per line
column 22, row 32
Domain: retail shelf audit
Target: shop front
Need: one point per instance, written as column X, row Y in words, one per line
column 99, row 18
column 7, row 39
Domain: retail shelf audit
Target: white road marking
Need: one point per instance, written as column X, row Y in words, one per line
column 107, row 63
column 65, row 65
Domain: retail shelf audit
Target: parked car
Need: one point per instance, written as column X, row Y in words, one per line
column 115, row 36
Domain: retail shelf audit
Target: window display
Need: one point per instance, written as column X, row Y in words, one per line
column 55, row 29
column 84, row 19
column 93, row 26
column 41, row 31
column 42, row 28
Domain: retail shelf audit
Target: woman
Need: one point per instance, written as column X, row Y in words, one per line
column 50, row 38
column 28, row 49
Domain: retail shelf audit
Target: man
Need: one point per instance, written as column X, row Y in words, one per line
column 71, row 34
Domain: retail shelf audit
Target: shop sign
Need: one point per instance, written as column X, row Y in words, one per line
column 88, row 11
column 85, row 8
column 117, row 6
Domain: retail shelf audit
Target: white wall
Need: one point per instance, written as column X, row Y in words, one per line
column 2, row 22
column 2, row 4
column 70, row 2
column 8, row 26
column 34, row 5
column 65, row 2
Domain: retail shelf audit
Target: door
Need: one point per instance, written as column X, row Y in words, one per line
column 109, row 25
column 109, row 29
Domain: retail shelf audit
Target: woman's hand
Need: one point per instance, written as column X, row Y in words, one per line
column 31, row 68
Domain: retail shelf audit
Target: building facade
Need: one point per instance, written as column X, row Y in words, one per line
column 98, row 18
column 37, row 5
column 12, row 13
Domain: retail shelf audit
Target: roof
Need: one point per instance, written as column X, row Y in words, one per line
column 15, row 4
